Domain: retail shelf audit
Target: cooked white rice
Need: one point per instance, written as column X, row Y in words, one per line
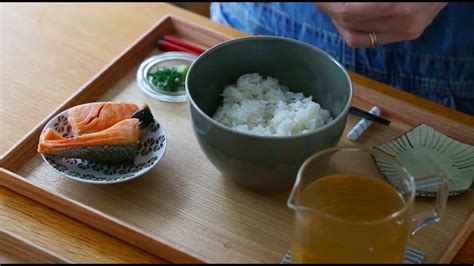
column 263, row 107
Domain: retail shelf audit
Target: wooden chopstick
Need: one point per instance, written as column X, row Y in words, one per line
column 169, row 46
column 359, row 112
column 170, row 43
column 183, row 44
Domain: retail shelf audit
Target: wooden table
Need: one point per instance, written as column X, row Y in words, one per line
column 47, row 52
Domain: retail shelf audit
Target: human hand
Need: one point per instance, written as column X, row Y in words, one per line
column 392, row 22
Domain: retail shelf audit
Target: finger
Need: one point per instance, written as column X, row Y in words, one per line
column 353, row 12
column 366, row 11
column 404, row 25
column 359, row 39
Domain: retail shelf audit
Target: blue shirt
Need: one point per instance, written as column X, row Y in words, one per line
column 439, row 65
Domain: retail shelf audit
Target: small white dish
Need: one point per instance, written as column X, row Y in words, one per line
column 151, row 64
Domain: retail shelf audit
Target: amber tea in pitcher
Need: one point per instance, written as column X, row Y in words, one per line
column 346, row 212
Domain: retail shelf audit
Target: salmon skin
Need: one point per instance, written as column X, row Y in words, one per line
column 117, row 144
column 94, row 117
column 145, row 116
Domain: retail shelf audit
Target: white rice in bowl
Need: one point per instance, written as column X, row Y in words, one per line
column 264, row 107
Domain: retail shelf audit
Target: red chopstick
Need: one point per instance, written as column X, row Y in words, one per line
column 183, row 44
column 169, row 43
column 169, row 46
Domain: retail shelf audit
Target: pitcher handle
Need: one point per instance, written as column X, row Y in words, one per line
column 423, row 219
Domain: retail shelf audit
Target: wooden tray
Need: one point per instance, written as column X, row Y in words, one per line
column 14, row 249
column 183, row 210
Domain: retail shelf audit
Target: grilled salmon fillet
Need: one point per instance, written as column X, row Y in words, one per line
column 115, row 144
column 94, row 117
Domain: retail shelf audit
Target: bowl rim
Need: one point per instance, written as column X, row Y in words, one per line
column 344, row 111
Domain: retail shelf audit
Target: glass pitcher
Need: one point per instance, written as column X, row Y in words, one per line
column 346, row 211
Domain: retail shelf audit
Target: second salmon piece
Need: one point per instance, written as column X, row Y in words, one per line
column 95, row 117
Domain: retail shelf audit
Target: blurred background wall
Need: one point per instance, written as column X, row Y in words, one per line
column 201, row 8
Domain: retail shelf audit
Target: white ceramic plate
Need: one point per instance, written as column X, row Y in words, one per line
column 151, row 149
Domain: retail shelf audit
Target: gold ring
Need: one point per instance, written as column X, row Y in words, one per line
column 373, row 39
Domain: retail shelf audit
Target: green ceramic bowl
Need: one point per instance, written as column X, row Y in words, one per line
column 270, row 161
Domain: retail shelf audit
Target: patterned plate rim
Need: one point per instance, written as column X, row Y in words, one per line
column 135, row 175
column 452, row 191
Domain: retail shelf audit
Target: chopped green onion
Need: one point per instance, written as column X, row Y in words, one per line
column 169, row 79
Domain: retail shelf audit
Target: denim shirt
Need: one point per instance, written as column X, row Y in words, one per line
column 439, row 65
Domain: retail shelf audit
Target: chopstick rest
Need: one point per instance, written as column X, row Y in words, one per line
column 362, row 125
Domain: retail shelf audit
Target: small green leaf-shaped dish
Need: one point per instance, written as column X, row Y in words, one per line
column 424, row 151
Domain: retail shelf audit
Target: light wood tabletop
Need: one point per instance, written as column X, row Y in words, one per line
column 48, row 51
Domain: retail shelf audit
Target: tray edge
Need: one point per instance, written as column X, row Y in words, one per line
column 7, row 165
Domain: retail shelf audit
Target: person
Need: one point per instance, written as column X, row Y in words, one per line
column 423, row 48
